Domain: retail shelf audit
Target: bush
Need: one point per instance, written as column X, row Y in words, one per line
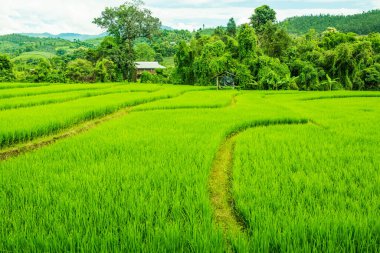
column 106, row 71
column 80, row 71
column 6, row 69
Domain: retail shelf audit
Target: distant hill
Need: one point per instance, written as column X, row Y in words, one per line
column 362, row 24
column 16, row 44
column 168, row 28
column 76, row 36
column 65, row 36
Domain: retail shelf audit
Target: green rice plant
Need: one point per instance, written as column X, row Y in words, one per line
column 31, row 91
column 195, row 99
column 140, row 183
column 50, row 98
column 21, row 85
column 307, row 190
column 25, row 124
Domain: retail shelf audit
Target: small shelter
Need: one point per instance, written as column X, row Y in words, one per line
column 147, row 66
column 225, row 79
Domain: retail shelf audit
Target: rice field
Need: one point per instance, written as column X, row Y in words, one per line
column 189, row 169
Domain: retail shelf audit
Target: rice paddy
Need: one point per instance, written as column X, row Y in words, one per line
column 189, row 169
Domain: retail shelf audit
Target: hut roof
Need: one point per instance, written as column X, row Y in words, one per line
column 148, row 65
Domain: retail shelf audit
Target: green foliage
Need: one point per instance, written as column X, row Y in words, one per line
column 144, row 52
column 247, row 42
column 273, row 59
column 364, row 23
column 106, row 71
column 244, row 78
column 166, row 42
column 6, row 69
column 273, row 40
column 127, row 23
column 262, row 16
column 307, row 75
column 184, row 60
column 40, row 73
column 15, row 44
column 80, row 71
column 147, row 77
column 231, row 27
column 332, row 38
column 371, row 77
column 270, row 73
column 213, row 61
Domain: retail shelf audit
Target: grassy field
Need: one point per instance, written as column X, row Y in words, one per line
column 190, row 169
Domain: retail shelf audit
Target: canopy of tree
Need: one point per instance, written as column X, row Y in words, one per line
column 127, row 23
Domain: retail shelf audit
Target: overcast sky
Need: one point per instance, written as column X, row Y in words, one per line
column 58, row 16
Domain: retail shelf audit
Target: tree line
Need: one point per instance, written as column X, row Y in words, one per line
column 263, row 55
column 260, row 55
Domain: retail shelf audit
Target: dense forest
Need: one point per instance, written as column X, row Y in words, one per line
column 362, row 24
column 259, row 55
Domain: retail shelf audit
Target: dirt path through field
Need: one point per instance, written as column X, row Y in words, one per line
column 220, row 183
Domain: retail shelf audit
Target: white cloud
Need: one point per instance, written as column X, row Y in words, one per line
column 375, row 4
column 220, row 16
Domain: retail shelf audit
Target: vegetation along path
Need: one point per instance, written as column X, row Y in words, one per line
column 220, row 182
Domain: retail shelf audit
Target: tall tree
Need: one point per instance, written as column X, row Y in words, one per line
column 261, row 16
column 127, row 23
column 274, row 40
column 184, row 60
column 247, row 40
column 231, row 27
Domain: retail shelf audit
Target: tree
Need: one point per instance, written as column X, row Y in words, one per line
column 106, row 70
column 231, row 27
column 80, row 71
column 40, row 72
column 371, row 77
column 184, row 60
column 261, row 16
column 214, row 60
column 127, row 23
column 274, row 40
column 57, row 73
column 270, row 73
column 144, row 52
column 6, row 69
column 307, row 75
column 220, row 31
column 247, row 40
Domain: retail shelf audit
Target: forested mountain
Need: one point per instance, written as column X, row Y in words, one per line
column 16, row 44
column 362, row 24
